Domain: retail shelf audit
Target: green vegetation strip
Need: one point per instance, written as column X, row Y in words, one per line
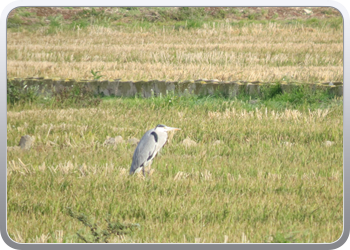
column 153, row 88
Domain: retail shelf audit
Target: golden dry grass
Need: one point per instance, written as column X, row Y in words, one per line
column 216, row 51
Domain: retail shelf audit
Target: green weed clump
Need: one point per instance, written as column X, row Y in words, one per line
column 271, row 91
column 102, row 235
column 78, row 96
column 301, row 96
column 14, row 22
column 20, row 95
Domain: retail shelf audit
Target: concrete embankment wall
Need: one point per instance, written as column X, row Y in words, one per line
column 155, row 87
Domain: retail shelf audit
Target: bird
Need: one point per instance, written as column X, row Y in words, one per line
column 148, row 147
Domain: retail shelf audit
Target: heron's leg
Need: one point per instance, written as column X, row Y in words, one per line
column 147, row 170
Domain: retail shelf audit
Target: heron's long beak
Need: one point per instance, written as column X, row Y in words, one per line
column 170, row 129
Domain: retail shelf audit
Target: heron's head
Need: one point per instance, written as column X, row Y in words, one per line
column 164, row 128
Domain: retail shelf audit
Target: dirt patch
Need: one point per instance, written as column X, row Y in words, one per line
column 55, row 11
column 283, row 13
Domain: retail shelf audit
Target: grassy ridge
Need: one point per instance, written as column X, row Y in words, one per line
column 271, row 179
column 29, row 18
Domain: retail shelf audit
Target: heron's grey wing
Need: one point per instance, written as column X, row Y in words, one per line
column 145, row 150
column 162, row 139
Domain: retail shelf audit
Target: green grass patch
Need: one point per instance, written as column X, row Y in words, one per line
column 14, row 22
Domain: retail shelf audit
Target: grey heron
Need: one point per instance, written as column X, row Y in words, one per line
column 150, row 144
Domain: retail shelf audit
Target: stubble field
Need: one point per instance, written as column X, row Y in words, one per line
column 271, row 178
column 308, row 50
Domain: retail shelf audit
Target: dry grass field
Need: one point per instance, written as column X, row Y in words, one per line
column 226, row 49
column 262, row 170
